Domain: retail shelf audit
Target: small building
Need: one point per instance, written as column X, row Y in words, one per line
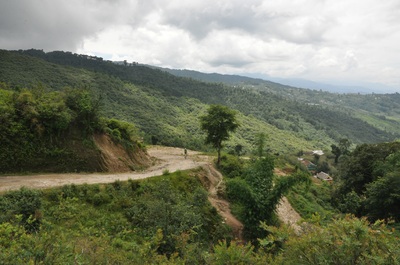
column 324, row 176
column 310, row 165
column 318, row 152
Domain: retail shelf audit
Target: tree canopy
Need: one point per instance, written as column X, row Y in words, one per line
column 369, row 181
column 218, row 123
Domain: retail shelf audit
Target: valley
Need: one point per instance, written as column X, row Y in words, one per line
column 92, row 167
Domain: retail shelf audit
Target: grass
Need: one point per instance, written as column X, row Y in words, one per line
column 312, row 199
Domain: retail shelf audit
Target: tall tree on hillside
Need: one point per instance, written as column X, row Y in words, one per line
column 336, row 151
column 218, row 123
column 260, row 144
column 342, row 149
column 344, row 145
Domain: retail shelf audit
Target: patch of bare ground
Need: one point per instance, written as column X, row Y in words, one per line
column 286, row 213
column 115, row 158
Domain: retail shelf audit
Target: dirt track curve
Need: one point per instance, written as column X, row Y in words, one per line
column 168, row 158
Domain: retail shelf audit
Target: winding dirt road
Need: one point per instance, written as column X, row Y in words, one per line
column 168, row 158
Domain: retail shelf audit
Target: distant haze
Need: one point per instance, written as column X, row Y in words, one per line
column 336, row 87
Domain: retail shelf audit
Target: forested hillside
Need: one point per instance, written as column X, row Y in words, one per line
column 380, row 110
column 53, row 105
column 57, row 131
column 166, row 108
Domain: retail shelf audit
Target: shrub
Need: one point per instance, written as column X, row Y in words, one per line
column 238, row 190
column 70, row 191
column 24, row 202
column 344, row 241
column 101, row 199
column 231, row 166
column 133, row 184
column 117, row 184
column 233, row 253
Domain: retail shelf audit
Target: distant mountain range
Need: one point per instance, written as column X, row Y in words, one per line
column 165, row 104
column 366, row 88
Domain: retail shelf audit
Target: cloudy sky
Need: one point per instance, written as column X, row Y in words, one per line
column 348, row 41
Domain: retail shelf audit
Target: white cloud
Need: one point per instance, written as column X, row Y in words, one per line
column 312, row 39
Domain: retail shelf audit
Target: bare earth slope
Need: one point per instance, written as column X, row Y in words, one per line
column 286, row 213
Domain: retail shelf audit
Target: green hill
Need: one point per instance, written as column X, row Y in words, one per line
column 166, row 107
column 62, row 132
column 55, row 106
column 379, row 110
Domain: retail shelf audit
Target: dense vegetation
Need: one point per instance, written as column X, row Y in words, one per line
column 51, row 104
column 368, row 182
column 380, row 110
column 168, row 220
column 52, row 131
column 256, row 192
column 119, row 223
column 166, row 107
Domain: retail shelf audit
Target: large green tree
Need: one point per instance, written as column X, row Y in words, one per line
column 342, row 149
column 218, row 123
column 257, row 193
column 368, row 181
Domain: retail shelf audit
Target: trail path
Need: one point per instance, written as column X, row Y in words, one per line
column 213, row 180
column 167, row 158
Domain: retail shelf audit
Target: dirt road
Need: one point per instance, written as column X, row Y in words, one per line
column 168, row 158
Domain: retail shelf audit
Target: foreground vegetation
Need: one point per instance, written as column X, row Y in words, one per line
column 120, row 223
column 168, row 220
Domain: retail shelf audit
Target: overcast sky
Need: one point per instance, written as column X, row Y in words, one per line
column 320, row 40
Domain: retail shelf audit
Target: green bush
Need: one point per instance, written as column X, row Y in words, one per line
column 117, row 185
column 70, row 191
column 238, row 190
column 231, row 166
column 101, row 199
column 232, row 253
column 133, row 184
column 344, row 241
column 24, row 202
